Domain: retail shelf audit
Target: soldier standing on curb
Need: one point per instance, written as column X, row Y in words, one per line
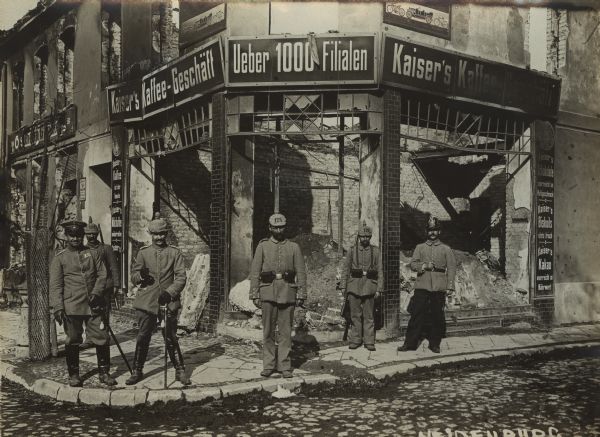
column 160, row 272
column 277, row 285
column 105, row 253
column 363, row 283
column 435, row 265
column 77, row 285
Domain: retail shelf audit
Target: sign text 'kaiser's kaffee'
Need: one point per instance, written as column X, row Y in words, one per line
column 188, row 77
column 424, row 68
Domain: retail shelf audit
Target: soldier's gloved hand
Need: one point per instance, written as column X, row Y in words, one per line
column 257, row 302
column 59, row 316
column 299, row 302
column 147, row 278
column 96, row 303
column 377, row 294
column 164, row 298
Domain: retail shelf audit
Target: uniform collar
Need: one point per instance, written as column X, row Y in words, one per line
column 277, row 242
column 435, row 242
column 93, row 246
column 157, row 247
column 71, row 249
column 361, row 247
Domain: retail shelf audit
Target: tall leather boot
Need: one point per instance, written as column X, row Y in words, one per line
column 177, row 360
column 141, row 352
column 103, row 356
column 72, row 357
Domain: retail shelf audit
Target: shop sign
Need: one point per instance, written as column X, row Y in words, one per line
column 309, row 60
column 54, row 128
column 431, row 19
column 431, row 70
column 201, row 22
column 124, row 102
column 544, row 207
column 116, row 231
column 188, row 77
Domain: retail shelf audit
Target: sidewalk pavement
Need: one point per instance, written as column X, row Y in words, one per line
column 223, row 366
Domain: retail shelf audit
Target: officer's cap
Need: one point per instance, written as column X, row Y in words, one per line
column 364, row 230
column 157, row 226
column 433, row 224
column 73, row 227
column 92, row 228
column 277, row 219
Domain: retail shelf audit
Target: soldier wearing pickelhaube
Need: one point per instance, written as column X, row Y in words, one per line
column 77, row 285
column 159, row 270
column 435, row 265
column 362, row 281
column 277, row 285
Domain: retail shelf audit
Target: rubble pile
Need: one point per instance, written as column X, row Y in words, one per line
column 479, row 282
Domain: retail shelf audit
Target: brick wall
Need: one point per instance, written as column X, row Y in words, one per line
column 185, row 200
column 392, row 169
column 307, row 204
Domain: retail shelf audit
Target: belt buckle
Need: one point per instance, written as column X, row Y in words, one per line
column 278, row 276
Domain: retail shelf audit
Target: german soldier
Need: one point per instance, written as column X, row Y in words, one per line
column 277, row 285
column 77, row 285
column 107, row 255
column 435, row 265
column 160, row 272
column 363, row 282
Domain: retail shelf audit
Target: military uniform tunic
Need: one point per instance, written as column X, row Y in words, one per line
column 106, row 253
column 361, row 292
column 278, row 257
column 168, row 270
column 278, row 297
column 75, row 274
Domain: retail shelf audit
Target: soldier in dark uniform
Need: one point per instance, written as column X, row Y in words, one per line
column 107, row 255
column 277, row 285
column 363, row 279
column 159, row 270
column 77, row 285
column 435, row 265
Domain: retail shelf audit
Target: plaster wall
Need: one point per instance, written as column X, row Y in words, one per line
column 493, row 33
column 580, row 77
column 577, row 230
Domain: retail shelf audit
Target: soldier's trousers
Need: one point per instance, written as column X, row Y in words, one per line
column 74, row 330
column 147, row 323
column 276, row 354
column 427, row 310
column 363, row 325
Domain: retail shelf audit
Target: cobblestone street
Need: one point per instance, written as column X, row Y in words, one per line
column 556, row 397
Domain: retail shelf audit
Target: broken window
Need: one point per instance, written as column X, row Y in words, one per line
column 66, row 50
column 18, row 77
column 111, row 43
column 40, row 82
column 165, row 31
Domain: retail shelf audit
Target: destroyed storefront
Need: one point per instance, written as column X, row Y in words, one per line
column 164, row 169
column 334, row 132
column 437, row 133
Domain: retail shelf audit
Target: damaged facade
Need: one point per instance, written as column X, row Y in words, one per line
column 216, row 115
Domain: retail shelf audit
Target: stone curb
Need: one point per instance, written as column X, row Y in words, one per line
column 122, row 397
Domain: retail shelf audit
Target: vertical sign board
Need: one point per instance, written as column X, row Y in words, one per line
column 544, row 209
column 116, row 227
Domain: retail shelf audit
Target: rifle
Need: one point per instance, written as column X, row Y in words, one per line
column 346, row 315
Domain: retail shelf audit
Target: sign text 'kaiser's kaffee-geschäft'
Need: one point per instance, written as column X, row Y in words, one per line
column 414, row 66
column 188, row 77
column 310, row 60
